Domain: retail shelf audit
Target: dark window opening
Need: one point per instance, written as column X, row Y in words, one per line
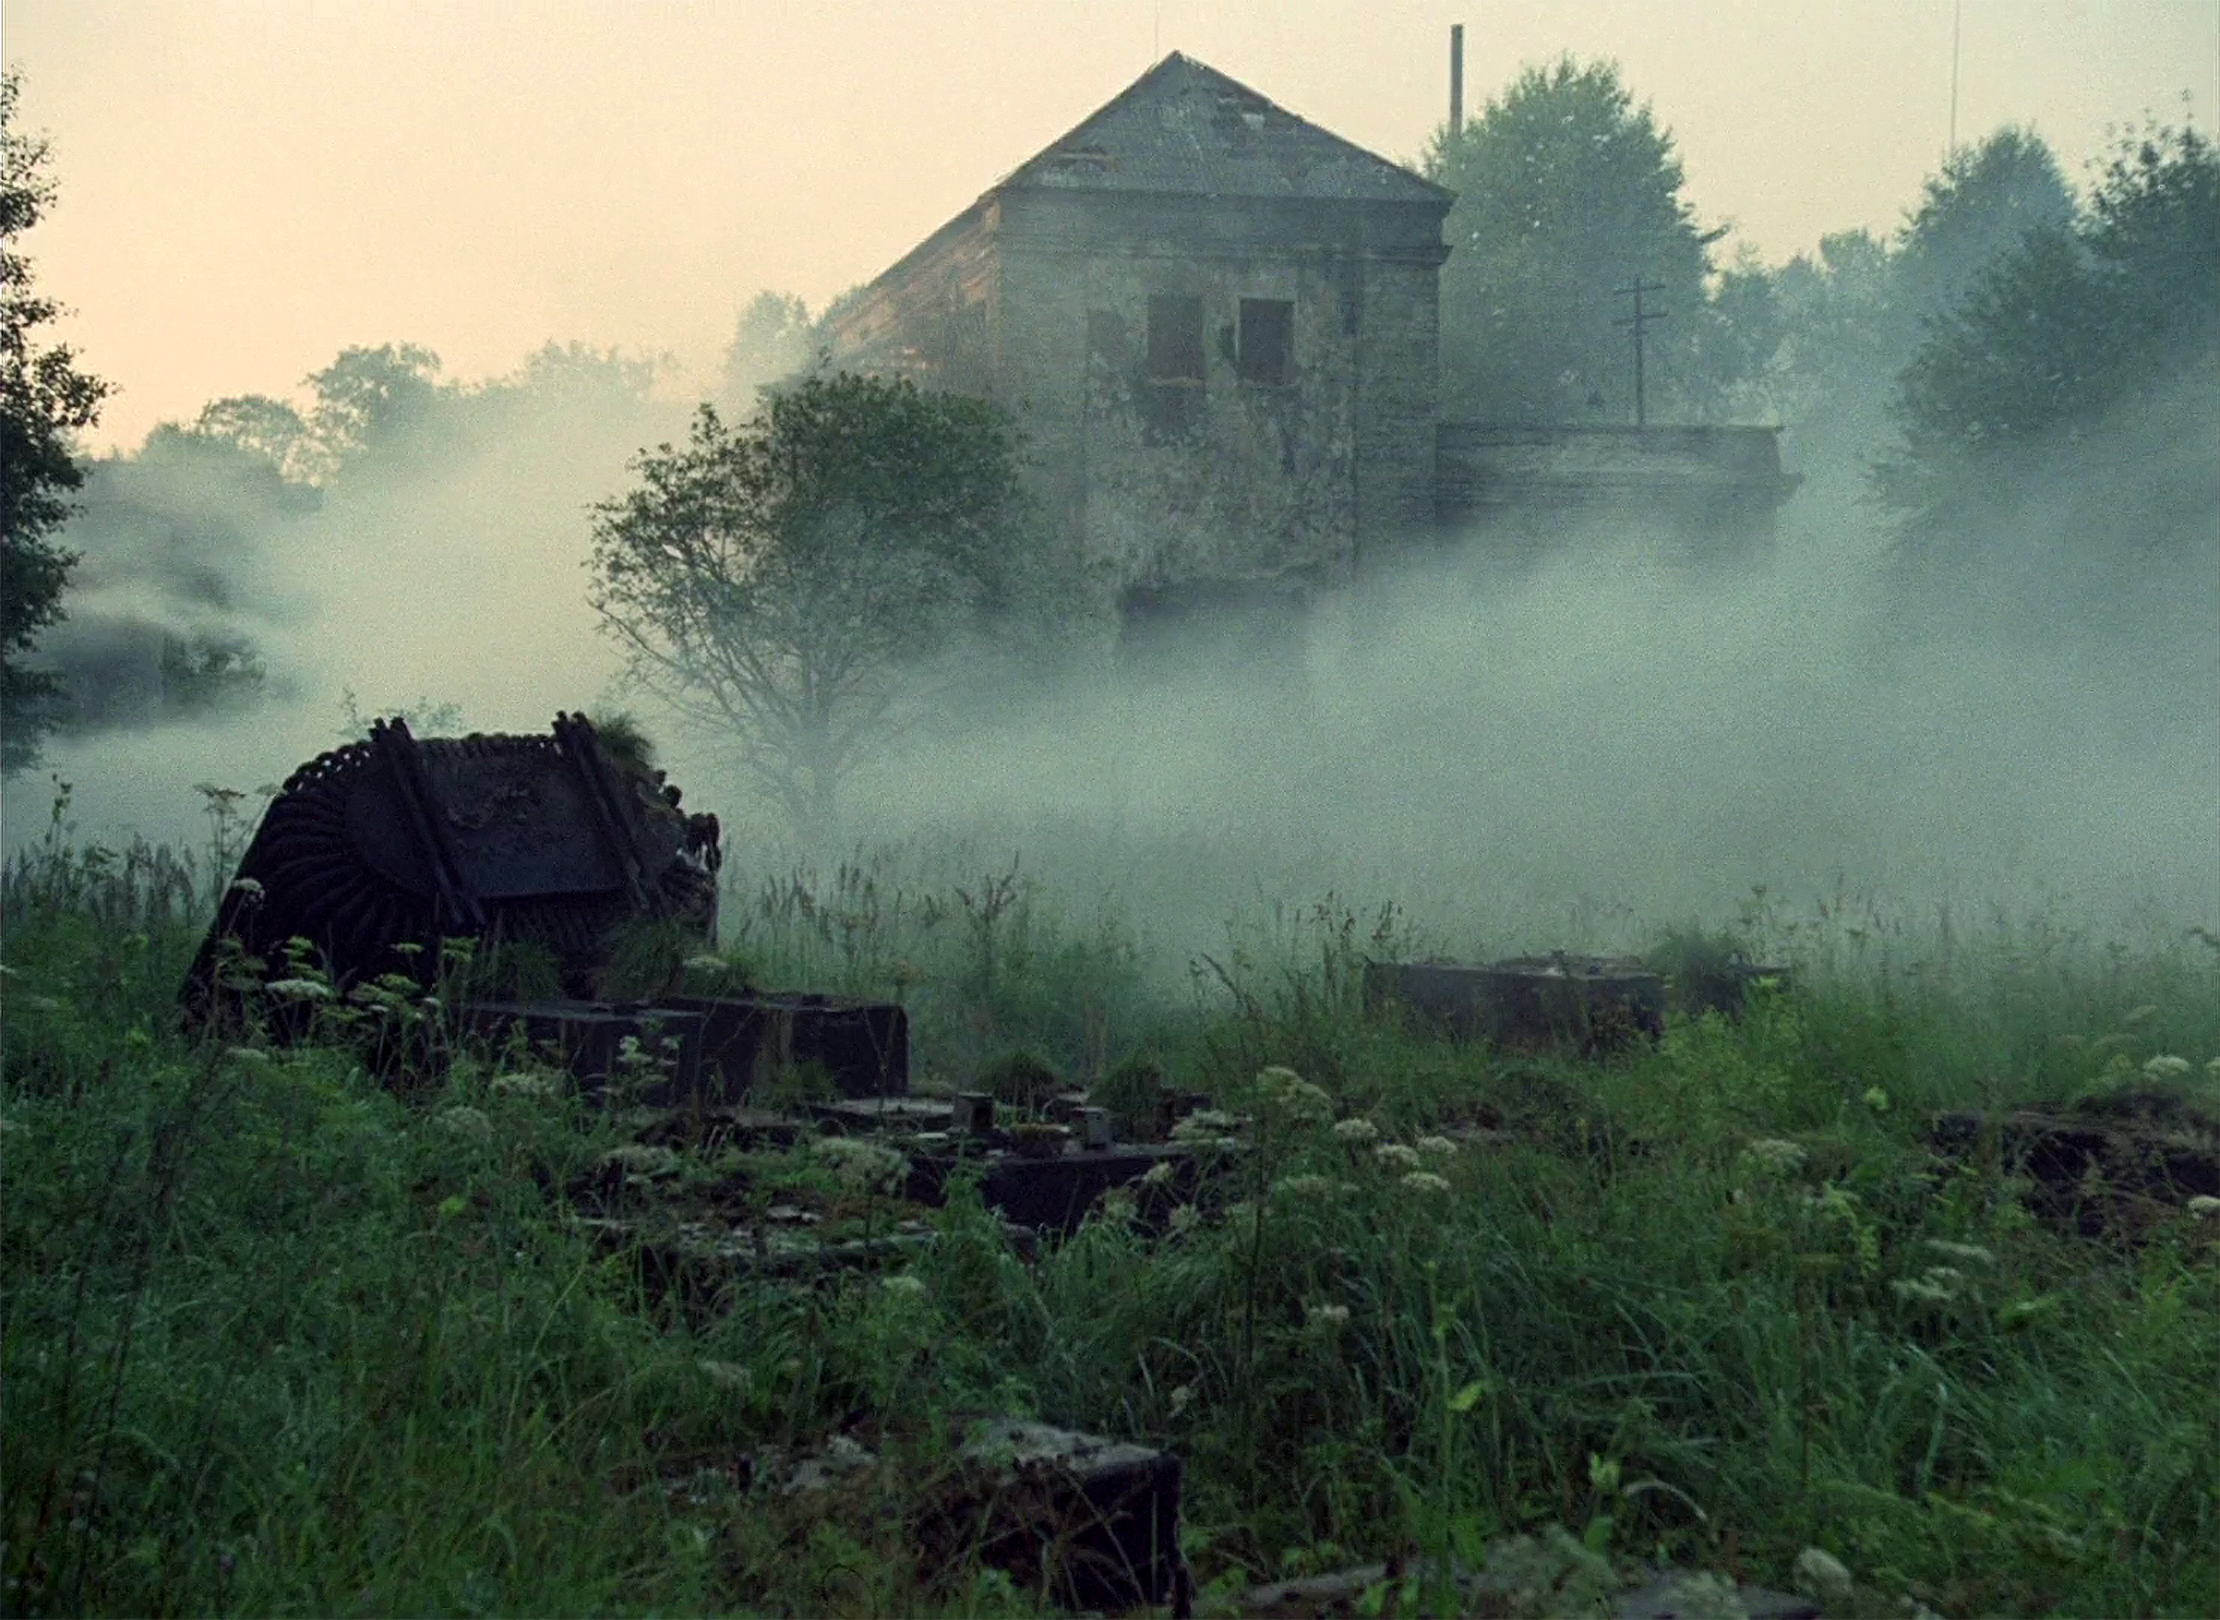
column 1267, row 341
column 1175, row 338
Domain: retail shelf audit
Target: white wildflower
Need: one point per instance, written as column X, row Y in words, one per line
column 906, row 1285
column 1326, row 1316
column 1776, row 1156
column 300, row 989
column 247, row 888
column 860, row 1165
column 464, row 1120
column 728, row 1373
column 2165, row 1066
column 1921, row 1290
column 247, row 1054
column 2205, row 1207
column 1425, row 1181
column 1182, row 1396
column 1183, row 1218
column 643, row 1159
column 1361, row 1132
column 1971, row 1254
column 1204, row 1125
column 1822, row 1575
column 1437, row 1147
column 1305, row 1186
column 1158, row 1174
column 706, row 963
column 1396, row 1156
column 1294, row 1096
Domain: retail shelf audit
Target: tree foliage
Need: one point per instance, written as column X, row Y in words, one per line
column 369, row 400
column 780, row 581
column 1984, row 201
column 1566, row 191
column 773, row 340
column 44, row 400
column 1852, row 314
column 2113, row 318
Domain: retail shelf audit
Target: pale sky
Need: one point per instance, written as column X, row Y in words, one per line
column 247, row 186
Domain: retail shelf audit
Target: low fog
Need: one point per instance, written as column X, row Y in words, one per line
column 1522, row 737
column 1565, row 745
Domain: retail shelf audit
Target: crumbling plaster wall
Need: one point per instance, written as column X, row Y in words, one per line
column 1238, row 481
column 1166, row 482
column 1040, row 301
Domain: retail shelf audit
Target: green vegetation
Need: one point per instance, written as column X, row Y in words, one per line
column 787, row 582
column 45, row 401
column 1567, row 189
column 276, row 1339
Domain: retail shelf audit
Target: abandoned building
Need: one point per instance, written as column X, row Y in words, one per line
column 1218, row 325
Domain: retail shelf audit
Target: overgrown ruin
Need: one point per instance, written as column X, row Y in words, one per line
column 1219, row 326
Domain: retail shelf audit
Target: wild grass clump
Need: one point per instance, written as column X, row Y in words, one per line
column 277, row 1335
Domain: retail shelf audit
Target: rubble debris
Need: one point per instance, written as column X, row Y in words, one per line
column 727, row 1047
column 1531, row 1575
column 1050, row 1194
column 1583, row 1003
column 652, row 1055
column 2109, row 1165
column 1093, row 1523
column 862, row 1047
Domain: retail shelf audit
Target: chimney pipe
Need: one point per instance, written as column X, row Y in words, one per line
column 1456, row 78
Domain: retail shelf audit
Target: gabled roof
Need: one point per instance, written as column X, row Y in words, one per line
column 1184, row 128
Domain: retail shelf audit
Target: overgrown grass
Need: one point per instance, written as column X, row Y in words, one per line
column 274, row 1339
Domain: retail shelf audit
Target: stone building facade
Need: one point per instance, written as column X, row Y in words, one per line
column 1217, row 324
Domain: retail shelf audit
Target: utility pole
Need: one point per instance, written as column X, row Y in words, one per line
column 1639, row 320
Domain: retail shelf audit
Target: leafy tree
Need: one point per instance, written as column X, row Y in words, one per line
column 2068, row 328
column 260, row 426
column 1852, row 314
column 1566, row 191
column 369, row 400
column 44, row 400
column 1984, row 201
column 773, row 341
column 783, row 581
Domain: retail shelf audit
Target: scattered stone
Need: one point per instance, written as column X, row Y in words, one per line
column 1549, row 1574
column 1093, row 1523
column 2111, row 1165
column 1586, row 1003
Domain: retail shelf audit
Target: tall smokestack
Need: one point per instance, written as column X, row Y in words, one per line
column 1456, row 77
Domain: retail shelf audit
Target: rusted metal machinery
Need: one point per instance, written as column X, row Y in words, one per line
column 376, row 852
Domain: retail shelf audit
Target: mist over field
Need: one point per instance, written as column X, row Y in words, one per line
column 1991, row 693
column 1610, row 737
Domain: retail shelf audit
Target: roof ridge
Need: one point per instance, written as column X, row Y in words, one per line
column 1072, row 145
